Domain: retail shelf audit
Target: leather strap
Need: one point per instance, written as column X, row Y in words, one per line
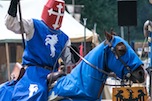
column 95, row 67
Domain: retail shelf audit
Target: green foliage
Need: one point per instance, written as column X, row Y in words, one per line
column 104, row 14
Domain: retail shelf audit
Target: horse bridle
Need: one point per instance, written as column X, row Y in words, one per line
column 113, row 49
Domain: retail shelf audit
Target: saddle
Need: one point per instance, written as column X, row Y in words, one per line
column 19, row 70
column 52, row 77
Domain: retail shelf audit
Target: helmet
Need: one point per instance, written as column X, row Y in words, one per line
column 53, row 13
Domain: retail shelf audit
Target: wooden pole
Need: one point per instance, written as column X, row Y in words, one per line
column 85, row 20
column 7, row 61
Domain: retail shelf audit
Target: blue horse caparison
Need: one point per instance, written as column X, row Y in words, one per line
column 84, row 82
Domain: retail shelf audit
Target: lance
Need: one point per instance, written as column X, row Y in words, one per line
column 21, row 24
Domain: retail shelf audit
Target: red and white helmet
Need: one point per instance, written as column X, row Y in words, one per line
column 53, row 13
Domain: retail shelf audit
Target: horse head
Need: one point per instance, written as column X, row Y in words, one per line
column 129, row 64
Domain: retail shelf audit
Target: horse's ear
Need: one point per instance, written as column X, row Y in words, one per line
column 112, row 32
column 108, row 36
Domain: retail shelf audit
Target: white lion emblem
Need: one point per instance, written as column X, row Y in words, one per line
column 33, row 89
column 51, row 40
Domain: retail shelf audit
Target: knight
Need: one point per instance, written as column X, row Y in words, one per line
column 45, row 43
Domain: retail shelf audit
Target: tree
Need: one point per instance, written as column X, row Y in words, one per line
column 104, row 14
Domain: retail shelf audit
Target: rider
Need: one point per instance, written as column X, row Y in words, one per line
column 45, row 43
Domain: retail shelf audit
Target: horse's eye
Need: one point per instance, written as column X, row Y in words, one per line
column 120, row 49
column 121, row 52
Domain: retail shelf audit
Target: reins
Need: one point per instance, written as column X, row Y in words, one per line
column 111, row 74
column 100, row 70
column 95, row 67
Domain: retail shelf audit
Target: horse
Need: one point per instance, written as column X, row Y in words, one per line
column 86, row 81
column 113, row 57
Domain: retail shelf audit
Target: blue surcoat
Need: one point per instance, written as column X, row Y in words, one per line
column 45, row 42
column 43, row 49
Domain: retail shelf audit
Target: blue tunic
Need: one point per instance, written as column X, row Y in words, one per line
column 45, row 42
column 42, row 50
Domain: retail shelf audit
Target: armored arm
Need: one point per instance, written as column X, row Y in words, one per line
column 13, row 8
column 13, row 23
column 66, row 54
column 69, row 56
